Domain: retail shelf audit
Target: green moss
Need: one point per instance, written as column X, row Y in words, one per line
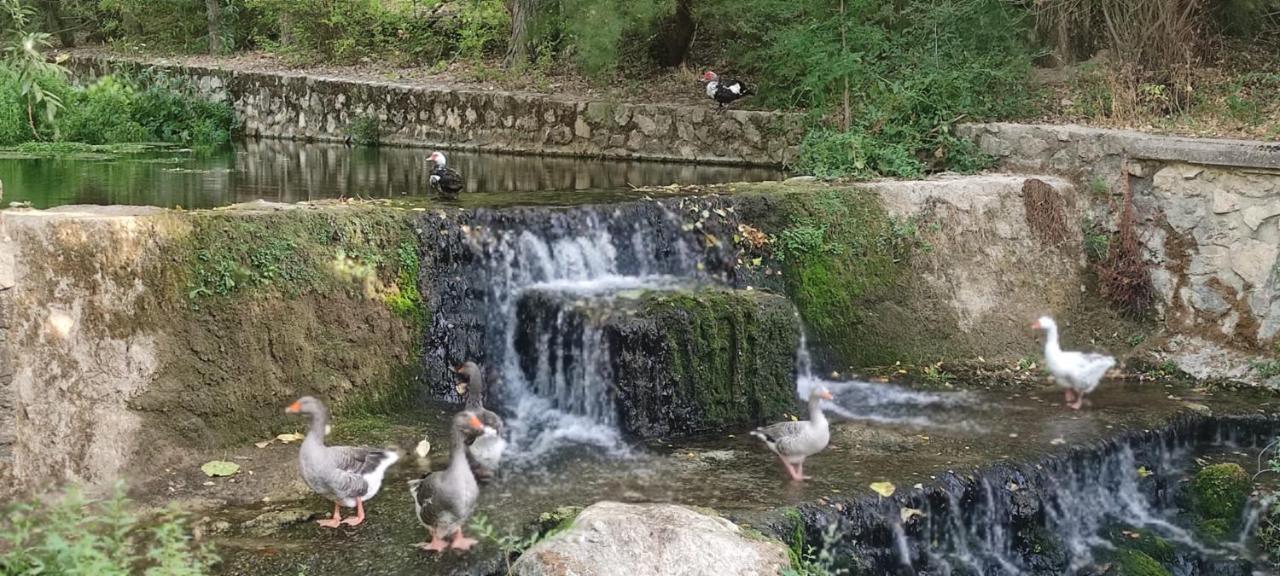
column 1219, row 491
column 296, row 251
column 363, row 427
column 558, row 520
column 1214, row 529
column 1143, row 541
column 841, row 253
column 729, row 353
column 1127, row 562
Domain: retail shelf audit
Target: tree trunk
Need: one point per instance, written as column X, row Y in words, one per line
column 522, row 12
column 214, row 13
column 53, row 22
column 675, row 36
column 286, row 29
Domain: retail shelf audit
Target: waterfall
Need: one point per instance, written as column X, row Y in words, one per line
column 519, row 290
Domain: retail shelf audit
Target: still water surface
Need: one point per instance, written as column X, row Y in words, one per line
column 283, row 171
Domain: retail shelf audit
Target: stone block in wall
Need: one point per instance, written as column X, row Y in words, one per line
column 673, row 362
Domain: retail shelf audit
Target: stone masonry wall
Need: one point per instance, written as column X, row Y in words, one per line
column 303, row 107
column 1209, row 212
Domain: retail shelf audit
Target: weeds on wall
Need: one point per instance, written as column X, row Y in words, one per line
column 1123, row 274
column 79, row 535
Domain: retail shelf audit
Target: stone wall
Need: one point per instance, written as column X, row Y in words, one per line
column 1209, row 212
column 138, row 337
column 306, row 107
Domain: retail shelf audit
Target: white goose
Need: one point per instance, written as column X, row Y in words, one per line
column 796, row 440
column 1078, row 372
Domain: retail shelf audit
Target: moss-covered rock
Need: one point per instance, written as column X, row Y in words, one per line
column 1144, row 541
column 1219, row 491
column 681, row 362
column 1128, row 562
column 844, row 262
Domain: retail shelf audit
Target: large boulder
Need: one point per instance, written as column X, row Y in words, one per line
column 610, row 538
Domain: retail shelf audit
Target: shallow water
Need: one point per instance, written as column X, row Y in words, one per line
column 731, row 472
column 283, row 171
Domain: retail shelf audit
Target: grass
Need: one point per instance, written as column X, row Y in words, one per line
column 1236, row 93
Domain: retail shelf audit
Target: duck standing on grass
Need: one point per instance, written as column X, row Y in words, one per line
column 447, row 181
column 347, row 475
column 1078, row 372
column 796, row 440
column 485, row 452
column 445, row 500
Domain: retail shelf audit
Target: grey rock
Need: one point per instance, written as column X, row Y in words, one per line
column 614, row 539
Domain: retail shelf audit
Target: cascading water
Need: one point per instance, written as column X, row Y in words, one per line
column 1064, row 515
column 540, row 270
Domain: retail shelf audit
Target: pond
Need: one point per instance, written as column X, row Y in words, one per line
column 283, row 171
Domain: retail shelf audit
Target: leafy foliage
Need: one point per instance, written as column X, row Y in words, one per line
column 910, row 68
column 34, row 74
column 116, row 110
column 77, row 535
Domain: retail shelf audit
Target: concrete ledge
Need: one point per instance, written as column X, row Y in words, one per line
column 1045, row 146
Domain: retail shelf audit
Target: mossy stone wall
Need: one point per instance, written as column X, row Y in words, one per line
column 140, row 335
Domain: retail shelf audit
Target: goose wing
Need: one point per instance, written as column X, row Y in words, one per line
column 423, row 492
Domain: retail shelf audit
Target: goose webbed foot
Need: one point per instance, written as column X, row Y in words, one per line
column 461, row 542
column 359, row 517
column 333, row 522
column 437, row 544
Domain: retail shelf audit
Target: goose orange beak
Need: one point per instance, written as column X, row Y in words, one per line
column 294, row 408
column 825, row 395
column 1035, row 325
column 475, row 422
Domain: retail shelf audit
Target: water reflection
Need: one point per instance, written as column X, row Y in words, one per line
column 284, row 171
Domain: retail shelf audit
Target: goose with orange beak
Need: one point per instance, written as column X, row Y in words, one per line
column 796, row 440
column 348, row 475
column 485, row 452
column 445, row 500
column 1078, row 372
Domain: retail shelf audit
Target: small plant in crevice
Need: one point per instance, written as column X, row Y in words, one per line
column 808, row 560
column 365, row 130
column 1097, row 241
column 1267, row 368
column 1123, row 275
column 511, row 544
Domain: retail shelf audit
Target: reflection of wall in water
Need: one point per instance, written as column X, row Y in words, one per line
column 302, row 172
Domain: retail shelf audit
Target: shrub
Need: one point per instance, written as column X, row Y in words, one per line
column 76, row 535
column 366, row 130
column 102, row 113
column 908, row 70
column 170, row 24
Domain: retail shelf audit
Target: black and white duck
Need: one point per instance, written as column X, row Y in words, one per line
column 447, row 181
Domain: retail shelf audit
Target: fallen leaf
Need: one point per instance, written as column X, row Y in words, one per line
column 422, row 449
column 909, row 513
column 1057, row 441
column 287, row 438
column 219, row 468
column 884, row 489
column 1143, row 472
column 262, row 444
column 918, row 486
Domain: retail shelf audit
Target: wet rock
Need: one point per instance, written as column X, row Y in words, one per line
column 610, row 538
column 269, row 523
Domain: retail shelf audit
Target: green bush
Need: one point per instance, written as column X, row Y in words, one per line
column 169, row 24
column 115, row 110
column 76, row 535
column 348, row 30
column 366, row 130
column 912, row 68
